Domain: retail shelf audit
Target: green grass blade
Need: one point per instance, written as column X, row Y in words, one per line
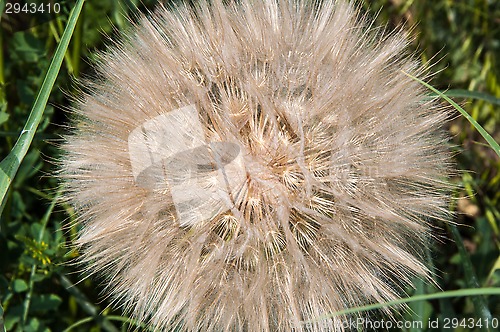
column 10, row 165
column 87, row 305
column 494, row 145
column 419, row 310
column 425, row 297
column 77, row 43
column 125, row 320
column 480, row 306
column 460, row 93
column 79, row 323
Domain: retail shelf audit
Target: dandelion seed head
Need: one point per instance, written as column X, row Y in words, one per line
column 251, row 166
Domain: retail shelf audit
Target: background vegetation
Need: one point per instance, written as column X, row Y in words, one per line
column 40, row 291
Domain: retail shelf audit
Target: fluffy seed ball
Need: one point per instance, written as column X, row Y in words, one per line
column 251, row 166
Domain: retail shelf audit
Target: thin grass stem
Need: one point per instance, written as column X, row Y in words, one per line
column 424, row 297
column 31, row 283
column 10, row 165
column 493, row 144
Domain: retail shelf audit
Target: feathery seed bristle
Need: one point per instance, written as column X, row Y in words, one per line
column 253, row 165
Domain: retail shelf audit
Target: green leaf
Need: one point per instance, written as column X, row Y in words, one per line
column 19, row 285
column 10, row 165
column 35, row 325
column 27, row 47
column 45, row 302
column 3, row 117
column 10, row 321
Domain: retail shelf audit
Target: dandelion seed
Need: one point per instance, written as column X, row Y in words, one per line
column 251, row 166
